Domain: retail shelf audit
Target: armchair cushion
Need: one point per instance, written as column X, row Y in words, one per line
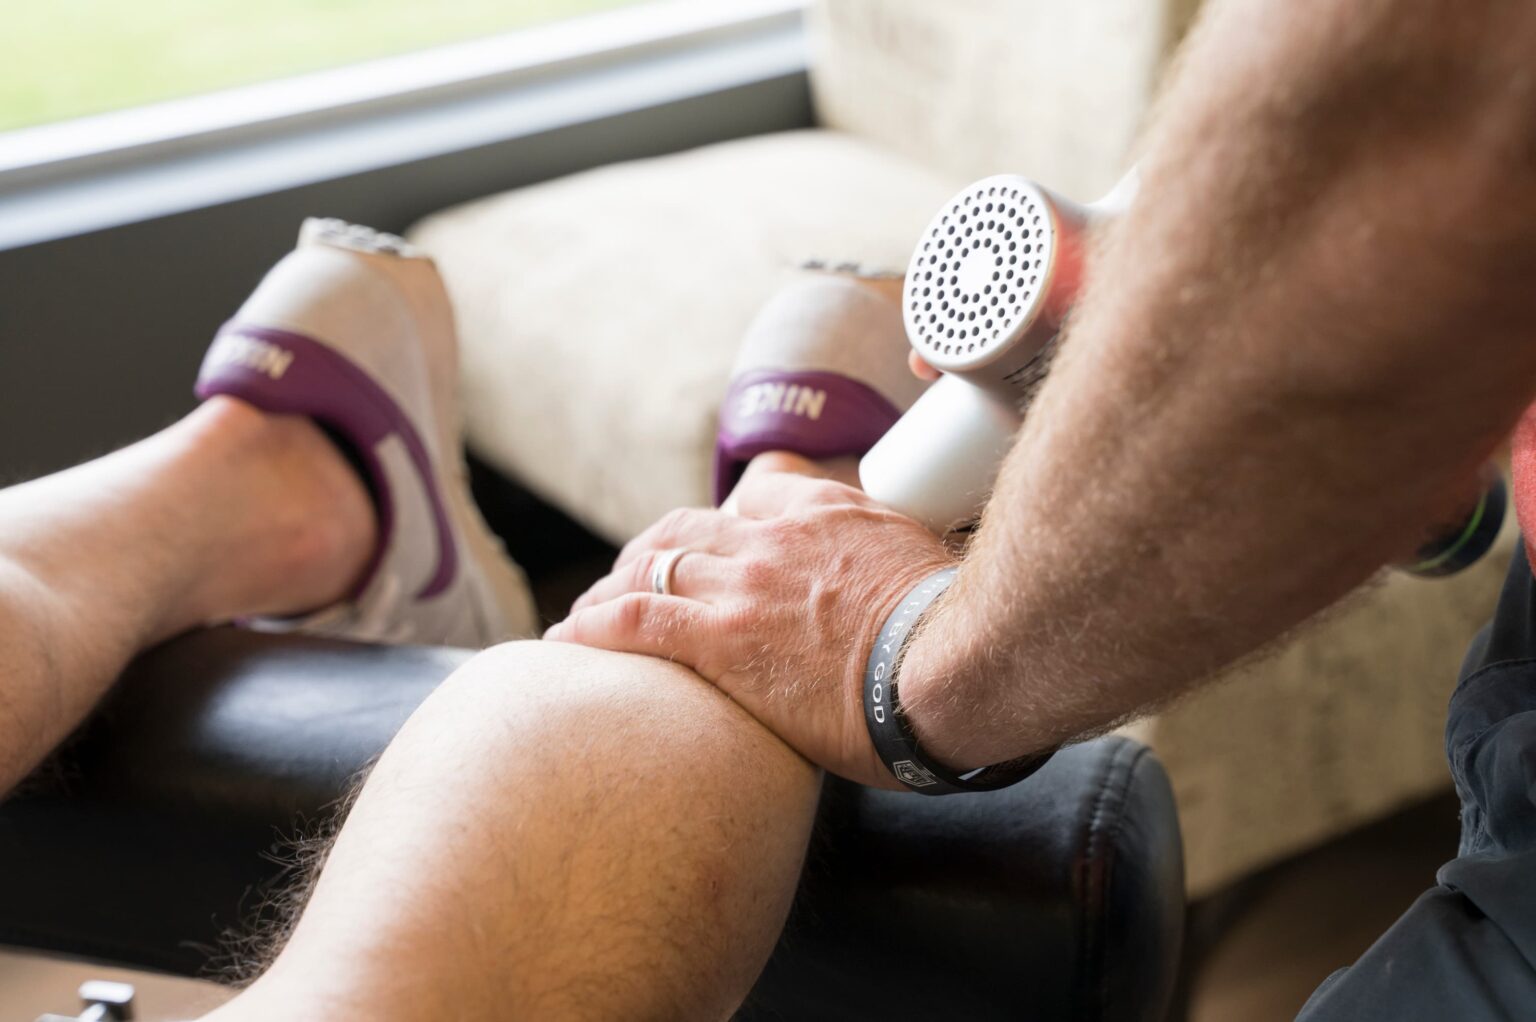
column 599, row 314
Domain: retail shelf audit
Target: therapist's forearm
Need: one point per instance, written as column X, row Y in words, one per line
column 1317, row 322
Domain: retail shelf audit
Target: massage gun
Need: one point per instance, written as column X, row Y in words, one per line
column 988, row 289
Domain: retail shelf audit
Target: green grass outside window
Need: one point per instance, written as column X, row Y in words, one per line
column 67, row 58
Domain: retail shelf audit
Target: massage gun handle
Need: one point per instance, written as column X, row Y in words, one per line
column 938, row 463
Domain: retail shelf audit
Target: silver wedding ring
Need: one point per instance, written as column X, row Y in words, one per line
column 663, row 570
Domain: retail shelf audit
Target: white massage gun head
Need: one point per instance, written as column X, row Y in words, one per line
column 988, row 289
column 992, row 279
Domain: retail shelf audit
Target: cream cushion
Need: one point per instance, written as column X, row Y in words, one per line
column 1050, row 89
column 599, row 314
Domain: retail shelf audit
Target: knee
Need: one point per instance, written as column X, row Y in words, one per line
column 566, row 677
column 556, row 681
column 636, row 709
column 520, row 685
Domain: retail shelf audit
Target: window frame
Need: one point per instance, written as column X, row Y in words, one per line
column 163, row 158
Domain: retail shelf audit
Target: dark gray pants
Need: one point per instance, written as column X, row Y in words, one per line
column 1466, row 950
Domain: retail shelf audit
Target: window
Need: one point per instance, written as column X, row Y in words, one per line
column 456, row 99
column 61, row 59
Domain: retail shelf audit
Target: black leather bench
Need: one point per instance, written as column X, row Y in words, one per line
column 160, row 827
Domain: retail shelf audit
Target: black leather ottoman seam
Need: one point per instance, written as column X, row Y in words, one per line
column 1097, row 867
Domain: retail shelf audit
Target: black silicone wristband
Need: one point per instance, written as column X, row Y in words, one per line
column 1465, row 545
column 889, row 730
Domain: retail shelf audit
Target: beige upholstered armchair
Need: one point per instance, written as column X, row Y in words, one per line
column 600, row 314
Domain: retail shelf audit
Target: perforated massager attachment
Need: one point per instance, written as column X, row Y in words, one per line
column 987, row 291
column 990, row 281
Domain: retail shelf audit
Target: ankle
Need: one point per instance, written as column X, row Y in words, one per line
column 300, row 524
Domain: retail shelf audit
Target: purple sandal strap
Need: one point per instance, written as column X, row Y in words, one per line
column 812, row 413
column 285, row 373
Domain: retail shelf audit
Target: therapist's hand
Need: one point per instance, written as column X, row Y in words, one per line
column 777, row 603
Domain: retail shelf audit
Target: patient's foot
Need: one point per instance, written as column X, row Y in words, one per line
column 822, row 372
column 354, row 331
column 295, row 524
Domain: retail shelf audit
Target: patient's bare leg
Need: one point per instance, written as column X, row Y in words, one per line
column 558, row 833
column 229, row 511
